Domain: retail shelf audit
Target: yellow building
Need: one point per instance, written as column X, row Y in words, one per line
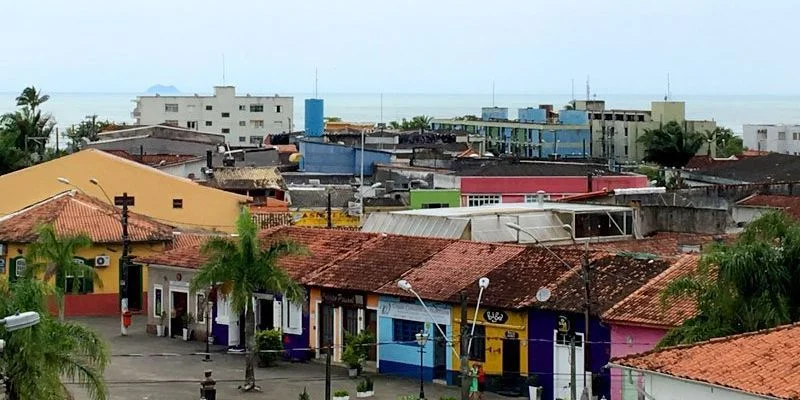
column 500, row 341
column 73, row 213
column 167, row 198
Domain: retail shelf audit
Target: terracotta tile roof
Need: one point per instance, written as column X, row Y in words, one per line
column 789, row 204
column 285, row 148
column 189, row 239
column 583, row 196
column 453, row 268
column 644, row 306
column 189, row 257
column 74, row 213
column 763, row 363
column 661, row 244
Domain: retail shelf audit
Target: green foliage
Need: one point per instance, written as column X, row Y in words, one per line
column 357, row 348
column 340, row 393
column 366, row 385
column 416, row 123
column 447, row 398
column 670, row 145
column 187, row 320
column 351, row 357
column 25, row 132
column 36, row 359
column 726, row 143
column 749, row 285
column 86, row 131
column 269, row 340
column 304, row 395
column 332, row 119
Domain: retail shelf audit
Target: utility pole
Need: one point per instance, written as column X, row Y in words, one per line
column 573, row 381
column 330, row 222
column 587, row 366
column 328, row 372
column 464, row 351
column 123, row 283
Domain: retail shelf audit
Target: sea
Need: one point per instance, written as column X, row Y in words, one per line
column 731, row 111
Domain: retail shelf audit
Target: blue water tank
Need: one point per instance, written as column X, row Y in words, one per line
column 314, row 122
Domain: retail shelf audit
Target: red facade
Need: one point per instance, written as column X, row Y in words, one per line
column 514, row 188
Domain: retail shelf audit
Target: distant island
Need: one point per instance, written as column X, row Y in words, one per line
column 162, row 89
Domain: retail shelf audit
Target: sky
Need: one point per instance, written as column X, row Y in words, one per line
column 406, row 46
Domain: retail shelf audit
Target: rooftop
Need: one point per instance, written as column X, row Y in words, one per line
column 513, row 208
column 486, row 167
column 762, row 363
column 661, row 244
column 773, row 167
column 789, row 204
column 73, row 213
column 155, row 160
column 245, row 178
column 161, row 131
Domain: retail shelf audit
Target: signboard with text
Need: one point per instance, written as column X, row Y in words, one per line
column 414, row 312
column 495, row 316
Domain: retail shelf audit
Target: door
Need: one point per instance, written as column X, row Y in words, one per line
column 135, row 287
column 350, row 321
column 265, row 315
column 179, row 307
column 562, row 367
column 439, row 354
column 325, row 328
column 371, row 325
column 510, row 357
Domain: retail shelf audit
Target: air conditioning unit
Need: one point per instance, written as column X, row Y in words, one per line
column 102, row 261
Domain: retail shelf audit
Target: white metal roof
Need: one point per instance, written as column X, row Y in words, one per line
column 514, row 208
column 416, row 225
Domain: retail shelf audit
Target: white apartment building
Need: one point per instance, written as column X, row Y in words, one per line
column 244, row 120
column 778, row 138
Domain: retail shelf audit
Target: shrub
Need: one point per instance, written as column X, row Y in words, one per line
column 304, row 395
column 366, row 385
column 340, row 393
column 268, row 340
column 447, row 398
column 351, row 357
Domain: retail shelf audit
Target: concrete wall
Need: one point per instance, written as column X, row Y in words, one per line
column 780, row 138
column 626, row 339
column 154, row 146
column 420, row 197
column 573, row 117
column 553, row 185
column 667, row 388
column 531, row 114
column 332, row 158
column 683, row 219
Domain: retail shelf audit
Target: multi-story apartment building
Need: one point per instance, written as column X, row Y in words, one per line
column 778, row 138
column 616, row 132
column 244, row 120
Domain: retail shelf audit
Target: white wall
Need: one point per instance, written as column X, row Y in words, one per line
column 748, row 214
column 666, row 388
column 184, row 169
column 192, row 109
column 778, row 138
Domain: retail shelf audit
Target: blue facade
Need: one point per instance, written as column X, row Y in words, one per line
column 542, row 325
column 531, row 114
column 314, row 117
column 573, row 117
column 402, row 357
column 335, row 158
column 488, row 113
column 564, row 142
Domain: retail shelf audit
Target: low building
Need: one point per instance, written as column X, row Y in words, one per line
column 773, row 167
column 778, row 138
column 74, row 213
column 752, row 207
column 309, row 206
column 258, row 183
column 757, row 365
column 158, row 139
column 339, row 159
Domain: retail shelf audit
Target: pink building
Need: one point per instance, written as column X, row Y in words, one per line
column 640, row 321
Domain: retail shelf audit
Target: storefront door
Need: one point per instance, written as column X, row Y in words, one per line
column 439, row 354
column 325, row 327
column 510, row 357
column 371, row 325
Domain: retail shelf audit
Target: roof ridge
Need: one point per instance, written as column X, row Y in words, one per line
column 317, row 271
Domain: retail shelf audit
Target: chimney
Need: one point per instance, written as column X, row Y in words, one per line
column 540, row 195
column 209, row 159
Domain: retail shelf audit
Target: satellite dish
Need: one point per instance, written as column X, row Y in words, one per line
column 542, row 295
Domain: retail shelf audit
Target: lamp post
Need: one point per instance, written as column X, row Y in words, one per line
column 20, row 321
column 422, row 340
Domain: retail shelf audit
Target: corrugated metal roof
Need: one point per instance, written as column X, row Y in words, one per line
column 416, row 225
column 511, row 208
column 246, row 178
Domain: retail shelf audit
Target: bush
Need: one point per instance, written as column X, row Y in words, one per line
column 366, row 385
column 340, row 393
column 447, row 398
column 304, row 395
column 351, row 357
column 269, row 340
column 356, row 348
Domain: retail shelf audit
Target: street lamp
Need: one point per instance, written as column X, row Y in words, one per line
column 20, row 321
column 422, row 340
column 483, row 283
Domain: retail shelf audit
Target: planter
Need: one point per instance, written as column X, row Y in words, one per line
column 159, row 330
column 185, row 334
column 341, row 398
column 210, row 340
column 534, row 392
column 352, row 372
column 365, row 394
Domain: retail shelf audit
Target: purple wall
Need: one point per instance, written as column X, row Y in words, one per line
column 541, row 324
column 627, row 339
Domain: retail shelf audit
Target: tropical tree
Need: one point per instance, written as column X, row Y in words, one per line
column 718, row 138
column 53, row 256
column 31, row 98
column 751, row 284
column 37, row 360
column 12, row 158
column 241, row 267
column 416, row 123
column 670, row 145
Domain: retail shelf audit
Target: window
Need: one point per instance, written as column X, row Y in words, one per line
column 256, row 108
column 781, row 135
column 436, row 205
column 608, row 117
column 208, row 123
column 479, row 200
column 226, row 130
column 620, row 117
column 158, row 296
column 200, row 308
column 564, row 339
column 19, row 265
column 794, row 135
column 478, row 350
column 118, row 201
column 171, row 107
column 225, row 115
column 598, row 116
column 191, row 124
column 242, row 139
column 242, row 107
column 626, row 150
column 626, row 131
column 293, row 318
column 640, row 118
column 256, row 140
column 533, row 198
column 405, row 331
column 209, row 108
column 277, row 109
column 629, row 118
column 242, row 123
column 80, row 283
column 172, row 122
column 177, row 203
column 257, row 123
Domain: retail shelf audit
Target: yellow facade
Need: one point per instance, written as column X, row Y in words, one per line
column 153, row 190
column 515, row 326
column 319, row 219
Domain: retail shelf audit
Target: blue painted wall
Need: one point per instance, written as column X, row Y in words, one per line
column 488, row 113
column 573, row 117
column 570, row 142
column 541, row 326
column 314, row 121
column 531, row 114
column 335, row 158
column 403, row 359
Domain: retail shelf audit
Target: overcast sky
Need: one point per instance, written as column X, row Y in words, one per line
column 412, row 46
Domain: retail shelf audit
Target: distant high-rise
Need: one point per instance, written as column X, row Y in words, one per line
column 314, row 118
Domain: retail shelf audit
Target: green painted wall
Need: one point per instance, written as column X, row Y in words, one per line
column 419, row 197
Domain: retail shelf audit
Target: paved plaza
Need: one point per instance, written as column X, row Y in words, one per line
column 145, row 367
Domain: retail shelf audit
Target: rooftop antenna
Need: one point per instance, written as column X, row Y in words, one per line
column 223, row 69
column 316, row 83
column 381, row 109
column 492, row 93
column 668, row 89
column 573, row 88
column 588, row 89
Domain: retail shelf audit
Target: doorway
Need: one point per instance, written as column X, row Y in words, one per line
column 179, row 302
column 371, row 325
column 510, row 355
column 266, row 315
column 135, row 287
column 325, row 327
column 439, row 354
column 561, row 363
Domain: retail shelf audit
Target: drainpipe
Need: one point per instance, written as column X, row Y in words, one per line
column 589, row 183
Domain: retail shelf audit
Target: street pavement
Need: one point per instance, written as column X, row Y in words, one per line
column 145, row 367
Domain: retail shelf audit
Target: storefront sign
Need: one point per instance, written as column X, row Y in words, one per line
column 512, row 335
column 343, row 299
column 563, row 325
column 414, row 312
column 495, row 316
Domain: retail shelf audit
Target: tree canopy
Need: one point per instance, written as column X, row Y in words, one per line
column 416, row 123
column 751, row 284
column 670, row 145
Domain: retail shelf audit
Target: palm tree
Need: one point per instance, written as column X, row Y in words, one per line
column 670, row 145
column 241, row 268
column 31, row 98
column 52, row 255
column 420, row 122
column 36, row 359
column 749, row 285
column 717, row 137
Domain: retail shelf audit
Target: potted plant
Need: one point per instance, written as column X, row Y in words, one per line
column 188, row 321
column 352, row 358
column 365, row 388
column 269, row 344
column 341, row 395
column 304, row 395
column 160, row 319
